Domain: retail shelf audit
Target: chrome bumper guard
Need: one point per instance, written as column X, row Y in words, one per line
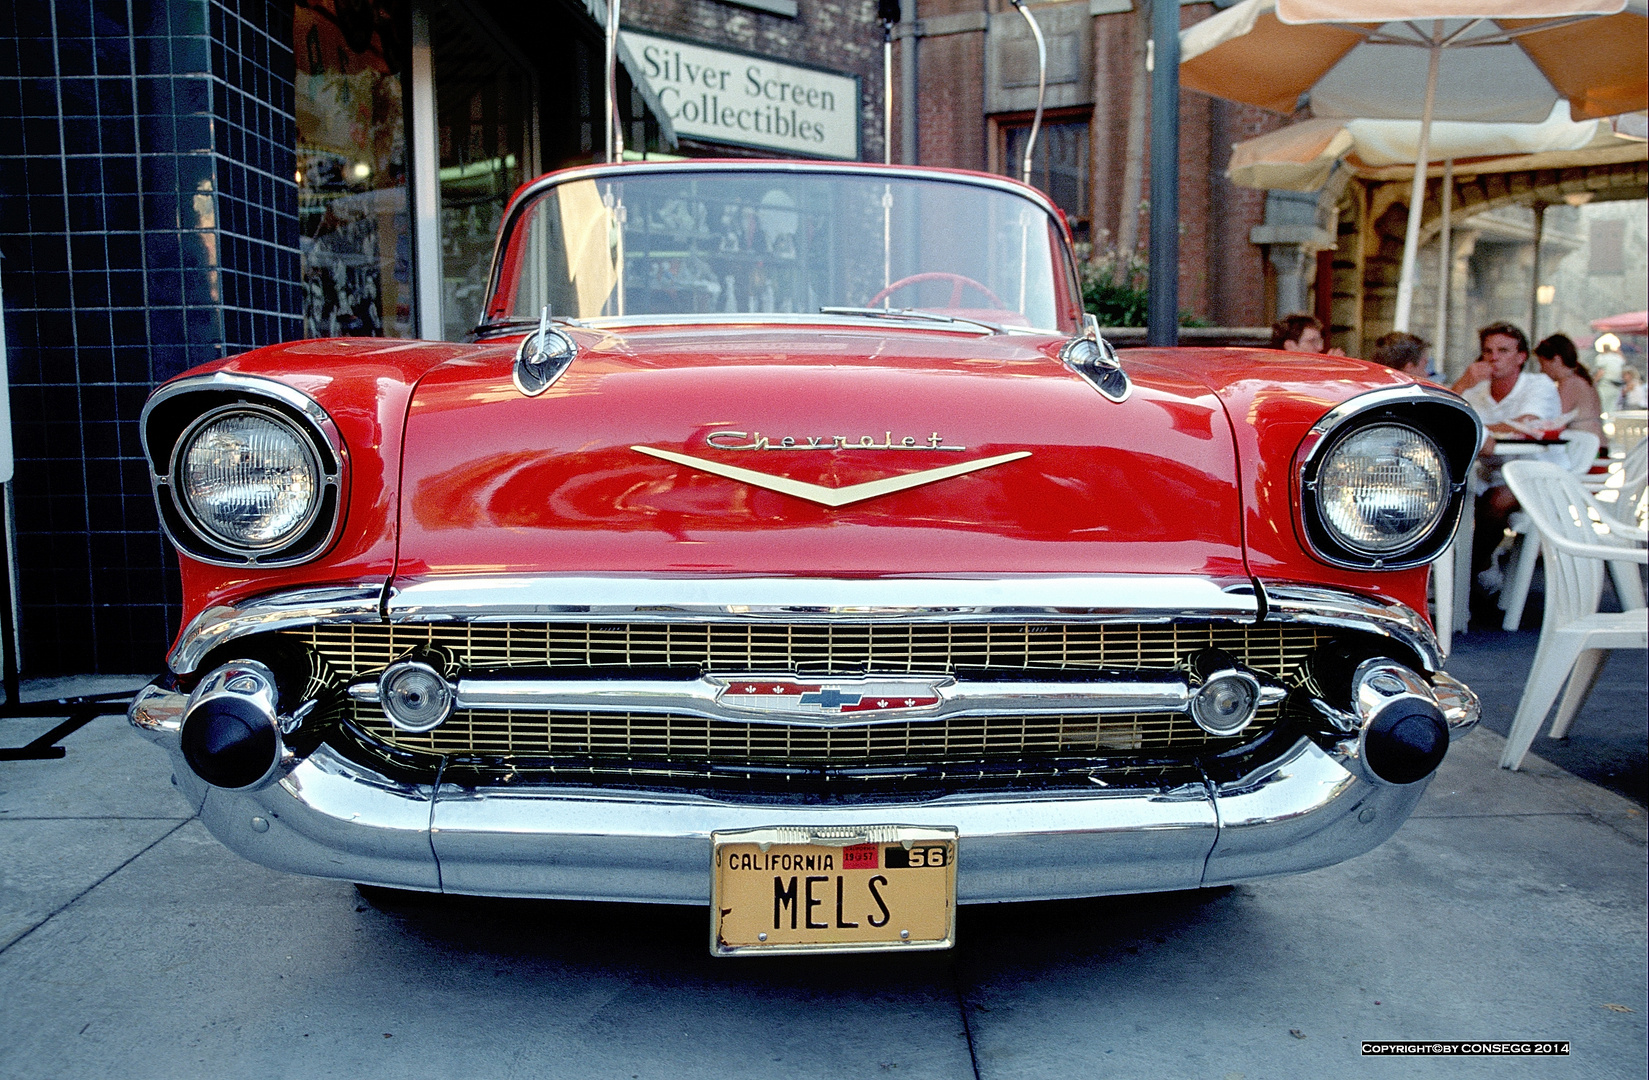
column 330, row 817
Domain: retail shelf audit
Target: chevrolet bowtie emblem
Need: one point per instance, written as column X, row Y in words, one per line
column 824, row 496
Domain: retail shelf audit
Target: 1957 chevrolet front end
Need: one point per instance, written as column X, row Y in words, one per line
column 708, row 575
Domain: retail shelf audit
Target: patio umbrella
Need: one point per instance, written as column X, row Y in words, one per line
column 1628, row 322
column 1301, row 156
column 1425, row 60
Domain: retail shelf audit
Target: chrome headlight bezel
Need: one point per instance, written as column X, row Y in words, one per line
column 1437, row 415
column 180, row 411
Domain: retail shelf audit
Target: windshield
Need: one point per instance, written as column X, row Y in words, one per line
column 704, row 242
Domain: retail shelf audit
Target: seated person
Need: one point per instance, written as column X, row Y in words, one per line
column 1403, row 352
column 1632, row 392
column 1560, row 362
column 1300, row 333
column 1500, row 390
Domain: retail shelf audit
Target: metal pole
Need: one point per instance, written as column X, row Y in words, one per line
column 1041, row 91
column 615, row 123
column 907, row 84
column 10, row 655
column 1417, row 191
column 1445, row 270
column 887, row 93
column 1163, row 58
column 1534, row 273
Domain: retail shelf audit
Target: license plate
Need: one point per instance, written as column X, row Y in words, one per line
column 840, row 889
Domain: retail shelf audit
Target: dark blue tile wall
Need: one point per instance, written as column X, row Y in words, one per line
column 148, row 223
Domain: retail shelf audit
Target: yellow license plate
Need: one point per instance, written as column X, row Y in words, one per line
column 840, row 889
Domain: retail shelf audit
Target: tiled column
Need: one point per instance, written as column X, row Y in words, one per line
column 148, row 223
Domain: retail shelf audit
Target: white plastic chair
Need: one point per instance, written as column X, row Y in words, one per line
column 1622, row 490
column 1626, row 429
column 1580, row 448
column 1577, row 538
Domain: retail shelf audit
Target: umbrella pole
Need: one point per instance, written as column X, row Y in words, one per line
column 1534, row 273
column 1417, row 194
column 1445, row 272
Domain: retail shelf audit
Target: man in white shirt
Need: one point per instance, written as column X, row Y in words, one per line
column 1500, row 390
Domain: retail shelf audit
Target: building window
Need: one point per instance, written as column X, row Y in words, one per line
column 1059, row 162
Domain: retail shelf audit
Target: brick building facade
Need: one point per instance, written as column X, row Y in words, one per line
column 186, row 179
column 976, row 88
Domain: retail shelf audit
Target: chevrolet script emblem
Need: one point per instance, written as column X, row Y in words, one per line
column 845, row 698
column 824, row 496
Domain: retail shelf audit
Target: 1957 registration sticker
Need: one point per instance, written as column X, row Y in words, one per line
column 838, row 889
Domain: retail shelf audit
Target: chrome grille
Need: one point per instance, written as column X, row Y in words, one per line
column 355, row 650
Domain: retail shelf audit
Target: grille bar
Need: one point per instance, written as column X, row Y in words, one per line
column 800, row 648
column 697, row 741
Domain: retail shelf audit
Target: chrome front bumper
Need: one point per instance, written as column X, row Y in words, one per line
column 330, row 817
column 325, row 815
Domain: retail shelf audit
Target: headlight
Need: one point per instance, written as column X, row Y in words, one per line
column 247, row 478
column 1382, row 489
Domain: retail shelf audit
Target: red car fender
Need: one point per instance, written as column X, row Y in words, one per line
column 1272, row 400
column 365, row 386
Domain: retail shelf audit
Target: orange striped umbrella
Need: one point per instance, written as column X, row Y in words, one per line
column 1469, row 60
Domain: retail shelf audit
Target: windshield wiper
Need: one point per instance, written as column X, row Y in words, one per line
column 515, row 322
column 914, row 314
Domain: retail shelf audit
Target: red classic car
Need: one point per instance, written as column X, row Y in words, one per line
column 788, row 542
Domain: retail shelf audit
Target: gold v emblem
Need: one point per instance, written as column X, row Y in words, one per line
column 830, row 496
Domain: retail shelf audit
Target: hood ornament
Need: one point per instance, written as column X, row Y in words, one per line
column 1093, row 358
column 543, row 356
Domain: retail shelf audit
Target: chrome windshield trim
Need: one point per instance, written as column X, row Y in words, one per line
column 836, row 319
column 530, row 193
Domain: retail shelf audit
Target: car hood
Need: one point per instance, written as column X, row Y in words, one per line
column 717, row 450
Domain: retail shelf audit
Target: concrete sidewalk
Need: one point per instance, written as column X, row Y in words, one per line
column 1512, row 906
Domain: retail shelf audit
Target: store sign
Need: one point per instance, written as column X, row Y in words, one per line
column 748, row 100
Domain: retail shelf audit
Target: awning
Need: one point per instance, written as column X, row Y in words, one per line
column 1628, row 322
column 666, row 130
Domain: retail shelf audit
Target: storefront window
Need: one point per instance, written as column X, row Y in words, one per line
column 484, row 97
column 355, row 239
